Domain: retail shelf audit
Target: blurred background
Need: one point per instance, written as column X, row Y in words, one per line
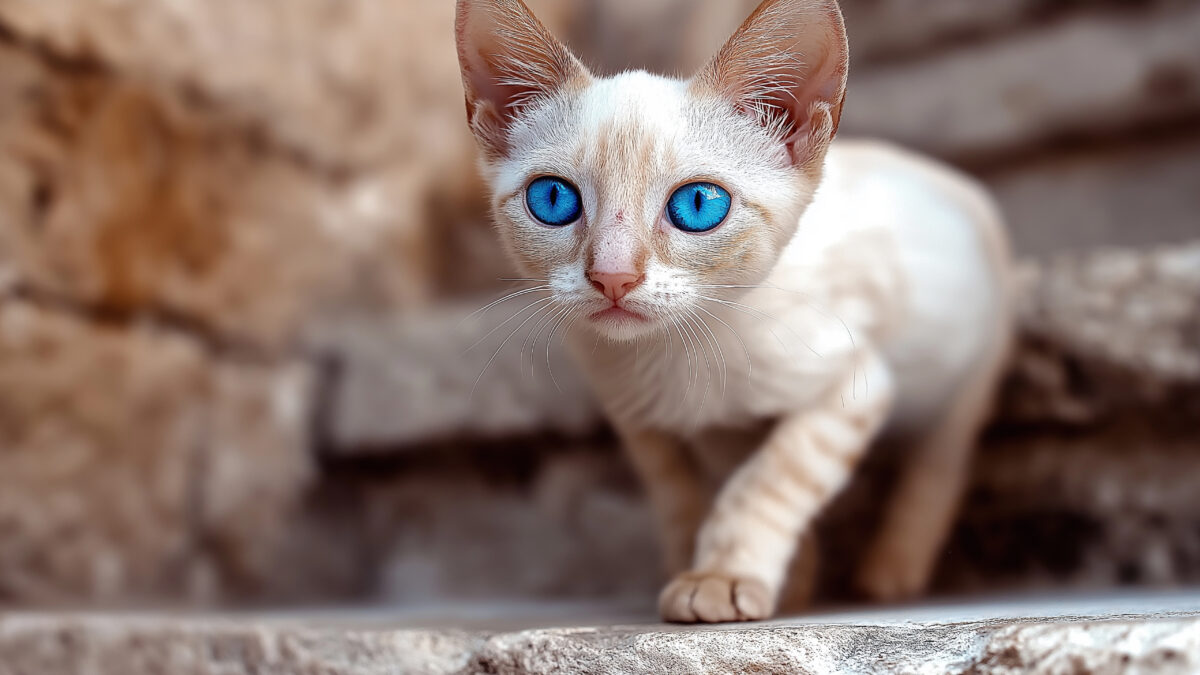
column 238, row 242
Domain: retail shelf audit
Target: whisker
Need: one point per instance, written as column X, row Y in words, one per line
column 745, row 349
column 823, row 311
column 508, row 321
column 715, row 345
column 510, row 296
column 750, row 313
column 500, row 348
column 707, row 367
column 572, row 315
column 533, row 335
column 687, row 354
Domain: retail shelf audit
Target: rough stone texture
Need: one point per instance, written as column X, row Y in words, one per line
column 1144, row 641
column 133, row 466
column 1088, row 76
column 449, row 373
column 122, row 196
column 1085, row 480
column 543, row 520
column 1109, row 332
column 1131, row 194
column 197, row 159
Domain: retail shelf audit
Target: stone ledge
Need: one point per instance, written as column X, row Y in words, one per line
column 1147, row 634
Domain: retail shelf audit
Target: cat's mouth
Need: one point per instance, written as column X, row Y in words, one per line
column 618, row 315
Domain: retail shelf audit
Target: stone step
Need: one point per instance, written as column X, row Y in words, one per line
column 1156, row 633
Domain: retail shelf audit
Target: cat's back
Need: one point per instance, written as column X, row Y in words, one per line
column 937, row 245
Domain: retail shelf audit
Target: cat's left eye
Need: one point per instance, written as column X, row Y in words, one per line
column 699, row 207
column 553, row 201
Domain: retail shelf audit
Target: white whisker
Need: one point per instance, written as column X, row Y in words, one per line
column 483, row 310
column 500, row 348
column 550, row 339
column 507, row 321
column 745, row 349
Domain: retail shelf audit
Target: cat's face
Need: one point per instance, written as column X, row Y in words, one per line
column 638, row 200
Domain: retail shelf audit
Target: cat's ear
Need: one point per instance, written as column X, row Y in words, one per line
column 786, row 67
column 509, row 60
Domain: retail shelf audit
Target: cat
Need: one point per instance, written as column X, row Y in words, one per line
column 720, row 263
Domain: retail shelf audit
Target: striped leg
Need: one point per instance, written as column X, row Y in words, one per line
column 750, row 535
column 676, row 490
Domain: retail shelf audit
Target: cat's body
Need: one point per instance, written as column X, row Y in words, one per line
column 888, row 240
column 720, row 265
column 895, row 254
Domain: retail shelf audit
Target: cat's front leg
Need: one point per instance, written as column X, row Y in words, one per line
column 744, row 545
column 676, row 490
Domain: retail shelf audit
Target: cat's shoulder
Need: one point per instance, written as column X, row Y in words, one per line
column 854, row 166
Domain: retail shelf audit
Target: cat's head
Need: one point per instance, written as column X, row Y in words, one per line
column 637, row 197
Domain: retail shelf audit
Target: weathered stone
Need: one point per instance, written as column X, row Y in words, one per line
column 134, row 465
column 117, row 197
column 378, row 87
column 1085, row 480
column 543, row 520
column 615, row 35
column 994, row 641
column 1112, row 331
column 195, row 160
column 1129, row 195
column 447, row 374
column 997, row 98
column 885, row 29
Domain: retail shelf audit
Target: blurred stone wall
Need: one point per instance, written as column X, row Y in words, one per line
column 238, row 241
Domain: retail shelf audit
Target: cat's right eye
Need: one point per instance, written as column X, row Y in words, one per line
column 699, row 207
column 553, row 201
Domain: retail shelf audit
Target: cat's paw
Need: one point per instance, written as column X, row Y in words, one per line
column 708, row 597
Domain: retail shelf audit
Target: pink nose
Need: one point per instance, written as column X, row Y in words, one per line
column 615, row 286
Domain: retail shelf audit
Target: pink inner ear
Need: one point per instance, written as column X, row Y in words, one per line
column 786, row 67
column 508, row 59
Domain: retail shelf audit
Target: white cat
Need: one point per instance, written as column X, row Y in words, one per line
column 721, row 265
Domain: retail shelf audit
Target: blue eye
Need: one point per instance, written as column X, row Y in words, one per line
column 699, row 207
column 553, row 201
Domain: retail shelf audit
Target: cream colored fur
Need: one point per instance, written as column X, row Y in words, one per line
column 854, row 288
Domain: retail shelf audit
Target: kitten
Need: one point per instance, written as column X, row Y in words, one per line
column 722, row 264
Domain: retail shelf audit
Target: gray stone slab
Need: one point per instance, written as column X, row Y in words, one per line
column 1089, row 75
column 1141, row 634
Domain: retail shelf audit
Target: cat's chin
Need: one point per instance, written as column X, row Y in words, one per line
column 620, row 324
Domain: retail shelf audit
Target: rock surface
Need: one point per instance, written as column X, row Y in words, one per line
column 134, row 465
column 1111, row 195
column 1139, row 637
column 1039, row 87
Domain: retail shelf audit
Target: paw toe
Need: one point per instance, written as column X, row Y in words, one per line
column 714, row 598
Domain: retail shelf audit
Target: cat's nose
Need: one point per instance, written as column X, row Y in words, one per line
column 615, row 285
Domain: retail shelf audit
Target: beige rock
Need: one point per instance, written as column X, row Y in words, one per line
column 1084, row 75
column 452, row 372
column 1108, row 332
column 240, row 166
column 1129, row 195
column 135, row 466
column 1141, row 639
